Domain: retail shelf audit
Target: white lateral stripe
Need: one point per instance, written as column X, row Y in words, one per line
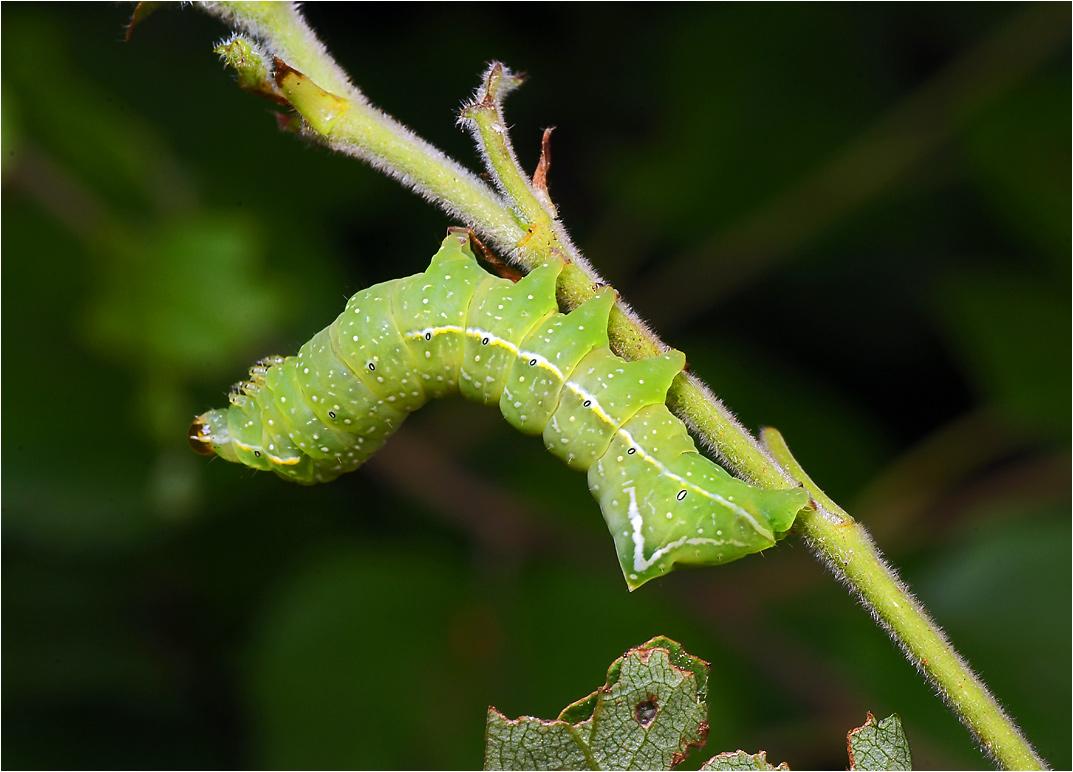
column 415, row 334
column 477, row 332
column 541, row 361
column 598, row 410
column 273, row 459
column 640, row 563
column 595, row 404
column 283, row 461
column 694, row 487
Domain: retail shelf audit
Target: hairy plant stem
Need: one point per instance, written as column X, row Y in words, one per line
column 518, row 222
column 630, row 337
column 847, row 549
column 339, row 115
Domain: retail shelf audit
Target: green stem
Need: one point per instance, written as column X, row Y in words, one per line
column 845, row 546
column 339, row 115
column 485, row 115
column 342, row 117
column 630, row 338
column 545, row 238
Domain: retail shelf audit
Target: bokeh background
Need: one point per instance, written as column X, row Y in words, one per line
column 855, row 219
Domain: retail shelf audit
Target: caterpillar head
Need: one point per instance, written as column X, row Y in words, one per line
column 208, row 435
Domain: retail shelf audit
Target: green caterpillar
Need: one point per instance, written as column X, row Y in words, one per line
column 457, row 329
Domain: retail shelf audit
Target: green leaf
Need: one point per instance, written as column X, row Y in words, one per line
column 181, row 296
column 740, row 760
column 651, row 710
column 879, row 745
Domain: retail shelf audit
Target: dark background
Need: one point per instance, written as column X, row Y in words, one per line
column 855, row 219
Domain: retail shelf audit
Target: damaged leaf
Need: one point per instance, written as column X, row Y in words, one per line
column 647, row 715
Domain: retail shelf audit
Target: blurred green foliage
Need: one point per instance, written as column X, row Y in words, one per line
column 854, row 219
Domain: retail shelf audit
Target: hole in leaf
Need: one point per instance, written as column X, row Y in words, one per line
column 645, row 712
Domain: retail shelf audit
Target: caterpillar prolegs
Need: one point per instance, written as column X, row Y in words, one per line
column 457, row 329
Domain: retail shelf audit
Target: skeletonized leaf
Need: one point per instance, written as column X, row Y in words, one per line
column 879, row 745
column 743, row 762
column 651, row 710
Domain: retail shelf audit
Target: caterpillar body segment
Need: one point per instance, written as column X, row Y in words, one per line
column 501, row 317
column 546, row 362
column 456, row 329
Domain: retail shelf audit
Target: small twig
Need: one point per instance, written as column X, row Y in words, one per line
column 540, row 176
column 339, row 115
column 485, row 253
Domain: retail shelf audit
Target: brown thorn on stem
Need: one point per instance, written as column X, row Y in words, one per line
column 540, row 176
column 499, row 267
